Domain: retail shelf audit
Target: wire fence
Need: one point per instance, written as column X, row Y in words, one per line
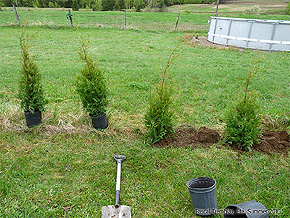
column 145, row 21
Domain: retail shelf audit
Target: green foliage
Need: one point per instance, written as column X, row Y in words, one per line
column 108, row 5
column 138, row 4
column 243, row 123
column 242, row 120
column 97, row 5
column 50, row 5
column 31, row 93
column 288, row 9
column 197, row 1
column 75, row 5
column 90, row 84
column 159, row 114
column 119, row 5
column 255, row 9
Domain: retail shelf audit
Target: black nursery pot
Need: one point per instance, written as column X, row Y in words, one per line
column 100, row 122
column 250, row 209
column 202, row 192
column 33, row 119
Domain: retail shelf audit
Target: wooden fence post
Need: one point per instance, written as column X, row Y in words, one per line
column 16, row 15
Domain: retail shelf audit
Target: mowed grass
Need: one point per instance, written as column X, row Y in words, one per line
column 66, row 168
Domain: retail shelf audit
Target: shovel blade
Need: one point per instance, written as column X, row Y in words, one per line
column 116, row 211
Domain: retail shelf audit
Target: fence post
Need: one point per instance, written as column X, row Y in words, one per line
column 69, row 16
column 177, row 22
column 16, row 15
column 125, row 20
column 217, row 7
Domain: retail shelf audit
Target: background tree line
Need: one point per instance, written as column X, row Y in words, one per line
column 100, row 5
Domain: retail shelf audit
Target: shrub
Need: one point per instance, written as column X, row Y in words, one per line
column 139, row 4
column 108, row 5
column 30, row 93
column 256, row 10
column 288, row 9
column 242, row 120
column 97, row 5
column 159, row 114
column 243, row 123
column 90, row 84
column 187, row 11
column 51, row 5
column 75, row 5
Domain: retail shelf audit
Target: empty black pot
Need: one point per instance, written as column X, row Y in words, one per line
column 32, row 119
column 202, row 191
column 250, row 209
column 99, row 122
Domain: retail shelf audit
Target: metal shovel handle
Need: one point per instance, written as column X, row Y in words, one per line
column 119, row 159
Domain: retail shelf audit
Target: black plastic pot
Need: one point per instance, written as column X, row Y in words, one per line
column 250, row 209
column 202, row 191
column 32, row 119
column 99, row 122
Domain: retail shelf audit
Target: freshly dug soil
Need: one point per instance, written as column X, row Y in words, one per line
column 188, row 136
column 208, row 136
column 202, row 41
column 274, row 142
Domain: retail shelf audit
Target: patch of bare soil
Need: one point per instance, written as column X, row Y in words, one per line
column 201, row 40
column 274, row 142
column 188, row 136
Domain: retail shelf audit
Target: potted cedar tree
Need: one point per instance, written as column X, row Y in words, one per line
column 30, row 93
column 91, row 87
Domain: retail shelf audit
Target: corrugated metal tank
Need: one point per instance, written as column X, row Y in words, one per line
column 272, row 35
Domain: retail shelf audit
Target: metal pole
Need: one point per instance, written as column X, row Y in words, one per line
column 69, row 16
column 273, row 34
column 229, row 31
column 177, row 22
column 250, row 32
column 125, row 20
column 217, row 8
column 214, row 31
column 16, row 15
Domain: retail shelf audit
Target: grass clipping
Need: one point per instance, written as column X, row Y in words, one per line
column 159, row 117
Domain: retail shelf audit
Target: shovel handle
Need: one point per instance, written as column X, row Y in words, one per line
column 120, row 158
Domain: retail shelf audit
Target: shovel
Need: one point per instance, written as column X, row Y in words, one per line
column 117, row 211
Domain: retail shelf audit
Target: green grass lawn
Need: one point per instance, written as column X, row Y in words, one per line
column 64, row 168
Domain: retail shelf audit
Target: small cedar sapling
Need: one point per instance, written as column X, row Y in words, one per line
column 90, row 83
column 159, row 115
column 31, row 92
column 242, row 120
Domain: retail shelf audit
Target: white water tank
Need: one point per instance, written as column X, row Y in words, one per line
column 272, row 35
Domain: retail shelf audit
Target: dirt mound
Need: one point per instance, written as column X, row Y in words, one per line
column 274, row 142
column 186, row 136
column 204, row 42
column 208, row 136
